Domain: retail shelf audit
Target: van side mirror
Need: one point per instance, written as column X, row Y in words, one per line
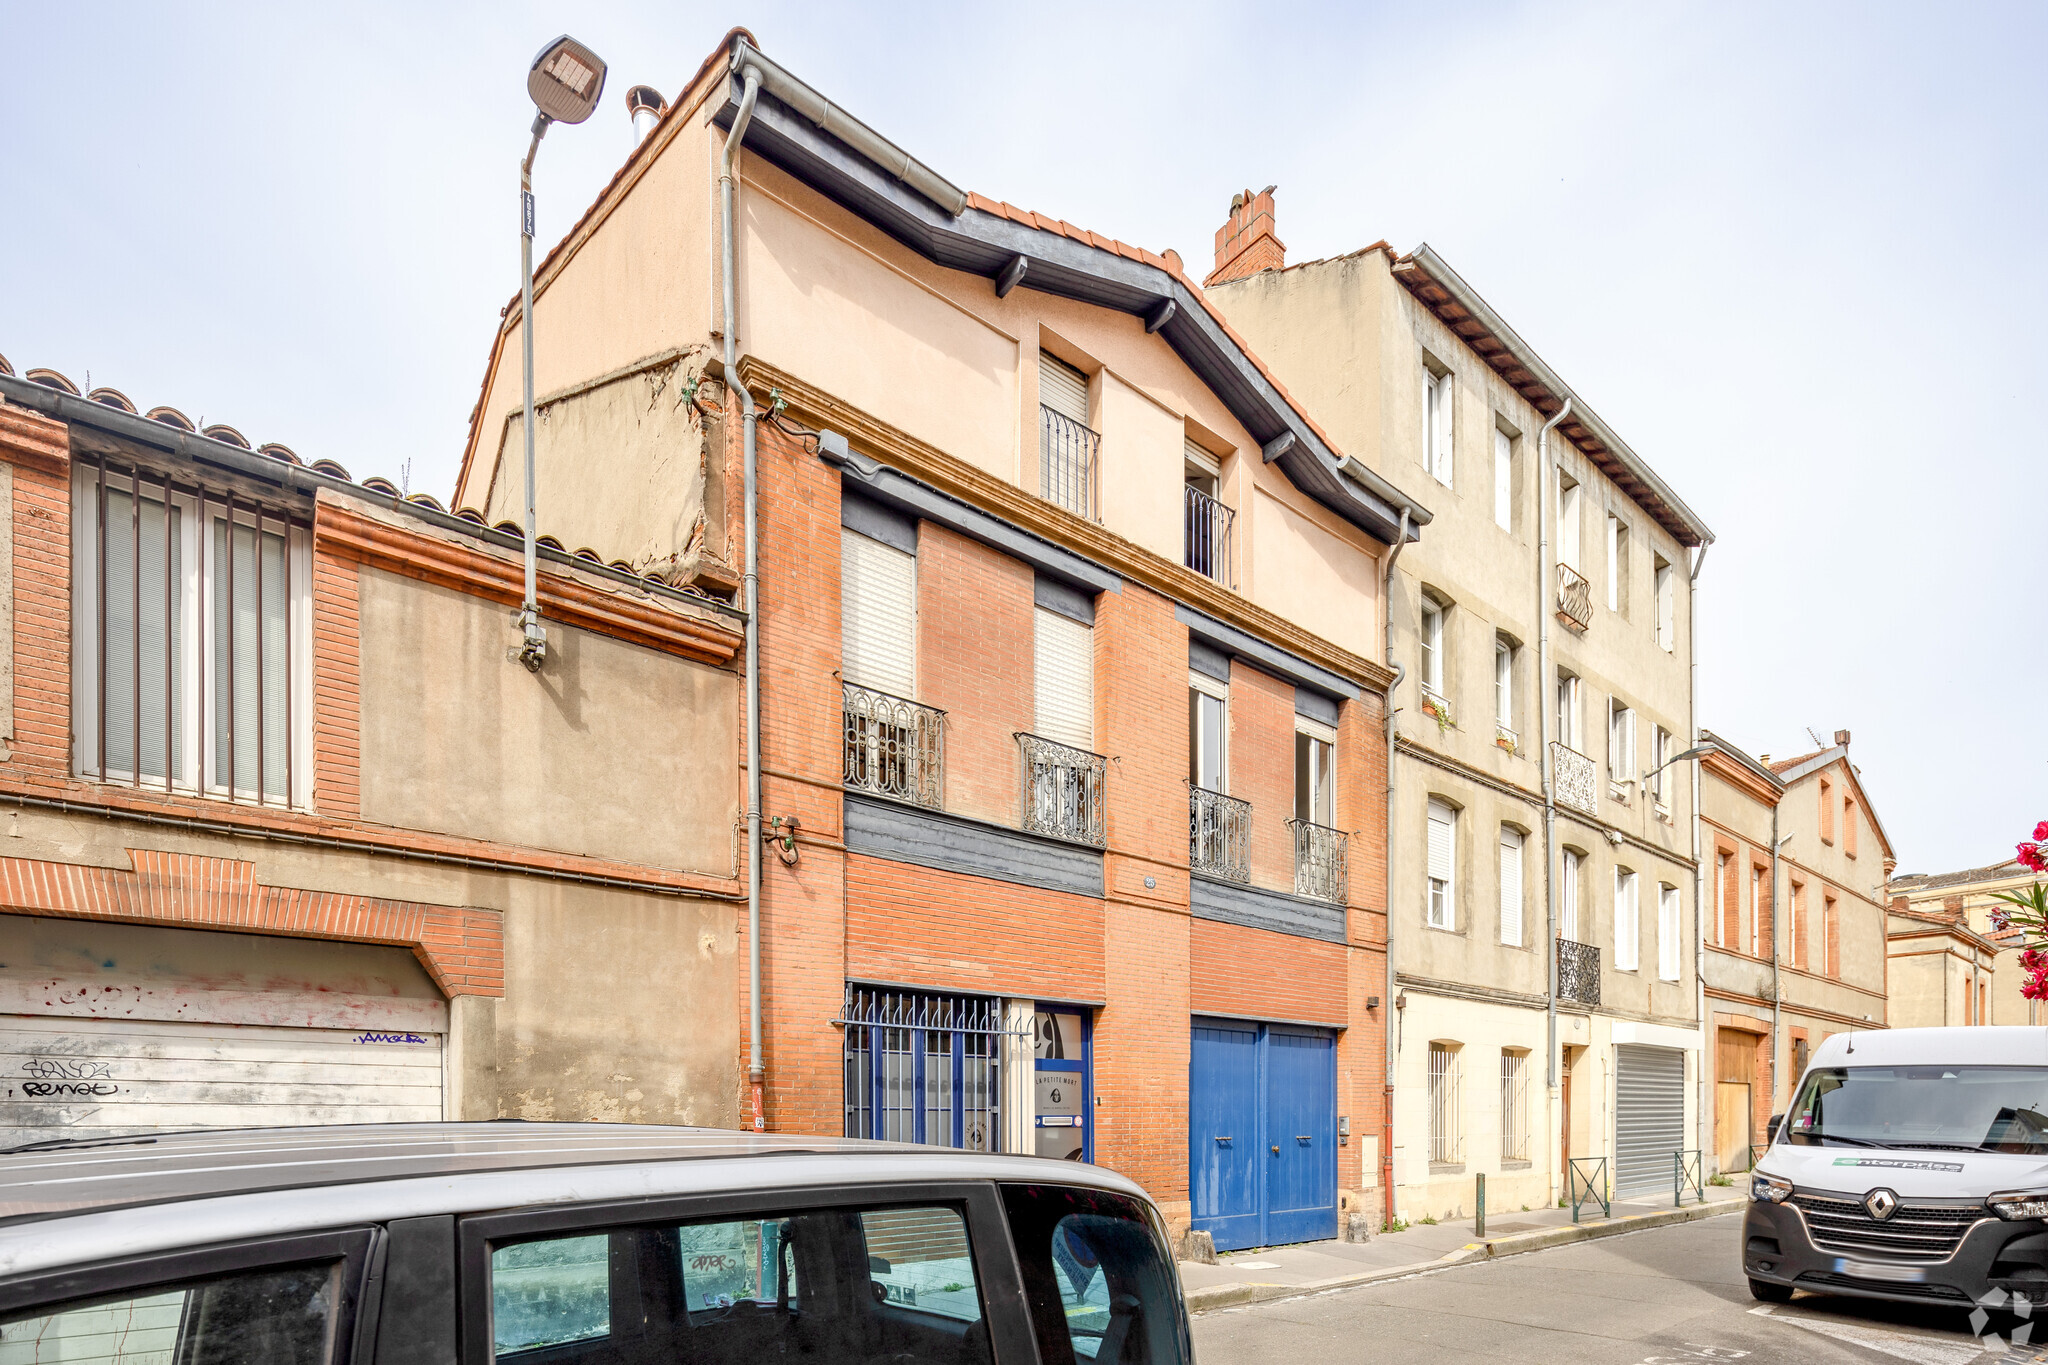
column 1771, row 1128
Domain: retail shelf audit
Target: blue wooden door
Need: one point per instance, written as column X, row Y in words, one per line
column 1223, row 1134
column 1262, row 1134
column 1301, row 1139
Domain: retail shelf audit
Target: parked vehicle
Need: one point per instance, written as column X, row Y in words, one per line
column 1912, row 1165
column 573, row 1244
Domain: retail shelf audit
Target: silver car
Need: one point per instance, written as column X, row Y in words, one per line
column 585, row 1244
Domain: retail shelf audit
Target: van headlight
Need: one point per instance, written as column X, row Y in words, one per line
column 2019, row 1206
column 1769, row 1189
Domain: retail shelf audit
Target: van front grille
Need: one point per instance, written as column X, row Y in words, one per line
column 1917, row 1232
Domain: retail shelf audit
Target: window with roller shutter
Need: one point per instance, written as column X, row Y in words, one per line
column 1064, row 679
column 1511, row 886
column 878, row 616
column 1667, row 933
column 1627, row 928
column 1443, row 852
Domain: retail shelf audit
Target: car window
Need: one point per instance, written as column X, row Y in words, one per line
column 1102, row 1291
column 268, row 1317
column 856, row 1284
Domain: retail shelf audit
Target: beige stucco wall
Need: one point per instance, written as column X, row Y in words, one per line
column 613, row 751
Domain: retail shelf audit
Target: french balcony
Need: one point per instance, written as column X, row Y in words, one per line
column 1573, row 779
column 1063, row 791
column 1321, row 869
column 1578, row 972
column 1219, row 834
column 1069, row 463
column 1574, row 599
column 1208, row 536
column 894, row 747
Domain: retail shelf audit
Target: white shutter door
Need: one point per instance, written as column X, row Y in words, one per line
column 1649, row 1117
column 1568, row 898
column 1511, row 887
column 1667, row 933
column 1503, row 481
column 1065, row 680
column 97, row 1077
column 1626, row 937
column 1442, row 846
column 1062, row 388
column 878, row 615
column 1568, row 526
column 1443, row 427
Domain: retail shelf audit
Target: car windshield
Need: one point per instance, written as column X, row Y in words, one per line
column 1957, row 1108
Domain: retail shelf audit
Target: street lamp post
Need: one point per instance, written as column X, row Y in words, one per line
column 565, row 81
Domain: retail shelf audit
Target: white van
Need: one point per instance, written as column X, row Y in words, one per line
column 1912, row 1165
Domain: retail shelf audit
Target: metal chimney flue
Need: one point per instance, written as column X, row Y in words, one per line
column 647, row 106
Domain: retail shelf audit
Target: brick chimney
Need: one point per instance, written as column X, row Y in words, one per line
column 1245, row 244
column 1841, row 739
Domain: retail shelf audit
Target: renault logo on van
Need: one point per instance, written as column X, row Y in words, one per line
column 1881, row 1203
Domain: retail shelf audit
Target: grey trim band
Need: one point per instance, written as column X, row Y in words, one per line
column 1200, row 1017
column 1254, row 908
column 1268, row 658
column 953, row 843
column 909, row 496
column 1207, row 661
column 877, row 521
column 1069, row 602
column 1314, row 705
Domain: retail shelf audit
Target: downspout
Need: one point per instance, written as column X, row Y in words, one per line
column 1546, row 697
column 1386, row 1025
column 1777, row 985
column 756, row 1072
column 1699, row 873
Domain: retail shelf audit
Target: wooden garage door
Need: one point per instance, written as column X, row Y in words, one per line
column 97, row 1077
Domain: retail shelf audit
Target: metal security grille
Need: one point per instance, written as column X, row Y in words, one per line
column 1649, row 1117
column 1446, row 1142
column 192, row 636
column 1514, row 1106
column 923, row 1068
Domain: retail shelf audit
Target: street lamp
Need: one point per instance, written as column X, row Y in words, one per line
column 565, row 81
column 1699, row 752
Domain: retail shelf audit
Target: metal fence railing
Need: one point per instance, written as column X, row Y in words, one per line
column 1688, row 1171
column 1208, row 535
column 1573, row 777
column 893, row 747
column 1219, row 834
column 1585, row 1179
column 1068, row 463
column 1574, row 598
column 1063, row 790
column 1321, row 861
column 1578, row 972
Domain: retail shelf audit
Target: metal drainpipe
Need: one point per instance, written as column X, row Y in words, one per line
column 756, row 1072
column 1699, row 872
column 1777, row 984
column 1546, row 697
column 1387, row 1008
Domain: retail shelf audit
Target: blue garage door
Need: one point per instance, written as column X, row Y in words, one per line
column 1262, row 1133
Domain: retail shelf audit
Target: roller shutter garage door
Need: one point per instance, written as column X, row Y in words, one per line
column 1649, row 1117
column 92, row 1077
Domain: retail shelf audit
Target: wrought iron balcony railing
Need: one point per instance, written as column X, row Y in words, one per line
column 1063, row 790
column 1573, row 779
column 1321, row 868
column 1574, row 598
column 1069, row 463
column 1219, row 834
column 1578, row 972
column 1208, row 538
column 894, row 747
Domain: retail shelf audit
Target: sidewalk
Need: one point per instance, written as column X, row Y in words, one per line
column 1280, row 1272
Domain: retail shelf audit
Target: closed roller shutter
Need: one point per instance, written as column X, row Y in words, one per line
column 1649, row 1117
column 1065, row 680
column 1511, row 887
column 1062, row 388
column 878, row 615
column 97, row 1077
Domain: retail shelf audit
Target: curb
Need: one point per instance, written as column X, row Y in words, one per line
column 1234, row 1295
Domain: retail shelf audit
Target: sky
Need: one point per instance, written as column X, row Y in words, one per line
column 1790, row 252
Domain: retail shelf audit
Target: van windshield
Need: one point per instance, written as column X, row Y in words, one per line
column 1956, row 1108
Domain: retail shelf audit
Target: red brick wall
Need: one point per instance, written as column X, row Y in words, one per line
column 1258, row 974
column 1262, row 770
column 955, row 932
column 975, row 653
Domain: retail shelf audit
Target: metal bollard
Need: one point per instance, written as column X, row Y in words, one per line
column 1479, row 1226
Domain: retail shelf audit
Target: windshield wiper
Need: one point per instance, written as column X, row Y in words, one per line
column 1942, row 1146
column 1839, row 1137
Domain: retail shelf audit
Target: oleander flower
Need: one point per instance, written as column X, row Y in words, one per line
column 2041, row 832
column 2035, row 987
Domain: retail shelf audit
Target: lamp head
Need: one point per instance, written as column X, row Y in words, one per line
column 566, row 80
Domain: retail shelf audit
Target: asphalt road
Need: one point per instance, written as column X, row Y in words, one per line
column 1660, row 1297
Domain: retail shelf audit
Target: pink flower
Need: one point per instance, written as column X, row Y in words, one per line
column 2001, row 921
column 2035, row 987
column 2041, row 831
column 2030, row 857
column 2034, row 960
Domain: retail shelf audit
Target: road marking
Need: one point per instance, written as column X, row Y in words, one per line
column 1919, row 1350
column 1254, row 1265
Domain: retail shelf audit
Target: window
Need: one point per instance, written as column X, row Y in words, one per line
column 1208, row 733
column 1627, row 932
column 1848, row 824
column 1511, row 886
column 1802, row 1050
column 1568, row 711
column 1568, row 895
column 278, row 1316
column 1431, row 646
column 1621, row 742
column 192, row 660
column 923, row 1068
column 1760, row 910
column 1660, row 756
column 878, row 615
column 1617, row 564
column 1567, row 522
column 1446, row 1138
column 1208, row 521
column 1831, row 938
column 1666, row 635
column 1668, row 941
column 1504, row 688
column 1067, row 446
column 1096, row 1278
column 1727, row 895
column 1314, row 778
column 1514, row 1105
column 1064, row 680
column 1799, row 957
column 735, row 1290
column 1827, row 811
column 1503, row 480
column 1443, row 856
column 1437, row 385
